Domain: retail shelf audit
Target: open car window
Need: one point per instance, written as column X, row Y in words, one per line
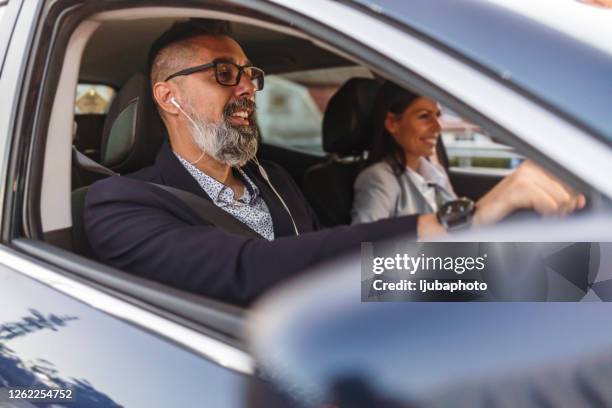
column 290, row 108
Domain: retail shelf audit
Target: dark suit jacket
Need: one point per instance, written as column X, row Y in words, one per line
column 142, row 229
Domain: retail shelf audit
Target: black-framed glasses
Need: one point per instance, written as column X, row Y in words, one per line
column 227, row 73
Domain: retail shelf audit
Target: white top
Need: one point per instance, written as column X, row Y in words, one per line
column 381, row 194
column 427, row 179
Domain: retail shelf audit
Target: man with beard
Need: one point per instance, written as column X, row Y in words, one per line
column 204, row 88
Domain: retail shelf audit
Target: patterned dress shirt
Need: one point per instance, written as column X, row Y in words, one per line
column 250, row 209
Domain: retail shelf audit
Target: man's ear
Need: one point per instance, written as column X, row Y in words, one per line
column 163, row 96
column 391, row 123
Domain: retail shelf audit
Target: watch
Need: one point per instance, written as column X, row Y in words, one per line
column 456, row 215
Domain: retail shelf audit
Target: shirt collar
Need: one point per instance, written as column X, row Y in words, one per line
column 217, row 191
column 427, row 173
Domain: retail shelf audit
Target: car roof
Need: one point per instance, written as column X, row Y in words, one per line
column 552, row 58
column 574, row 17
column 127, row 42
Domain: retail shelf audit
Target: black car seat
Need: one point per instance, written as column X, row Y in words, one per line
column 133, row 134
column 328, row 187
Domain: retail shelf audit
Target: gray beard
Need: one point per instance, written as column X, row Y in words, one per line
column 224, row 142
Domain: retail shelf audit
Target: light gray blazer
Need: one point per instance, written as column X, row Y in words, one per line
column 381, row 194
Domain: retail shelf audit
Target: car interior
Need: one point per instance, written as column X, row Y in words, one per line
column 129, row 135
column 110, row 49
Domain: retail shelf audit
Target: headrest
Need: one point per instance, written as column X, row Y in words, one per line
column 346, row 129
column 133, row 132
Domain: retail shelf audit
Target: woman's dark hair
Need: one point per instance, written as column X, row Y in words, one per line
column 390, row 98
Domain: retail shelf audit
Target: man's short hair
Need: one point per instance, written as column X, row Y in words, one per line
column 174, row 46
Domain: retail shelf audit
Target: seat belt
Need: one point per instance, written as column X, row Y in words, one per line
column 210, row 212
column 201, row 206
column 86, row 163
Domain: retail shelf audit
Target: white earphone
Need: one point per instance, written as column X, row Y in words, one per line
column 175, row 103
column 264, row 174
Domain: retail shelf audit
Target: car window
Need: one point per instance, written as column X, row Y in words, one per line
column 290, row 107
column 468, row 145
column 93, row 98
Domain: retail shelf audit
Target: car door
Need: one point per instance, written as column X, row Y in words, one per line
column 49, row 339
column 152, row 346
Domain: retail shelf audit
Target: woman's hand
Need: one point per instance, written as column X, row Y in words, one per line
column 528, row 187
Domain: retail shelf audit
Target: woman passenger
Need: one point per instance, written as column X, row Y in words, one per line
column 402, row 178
